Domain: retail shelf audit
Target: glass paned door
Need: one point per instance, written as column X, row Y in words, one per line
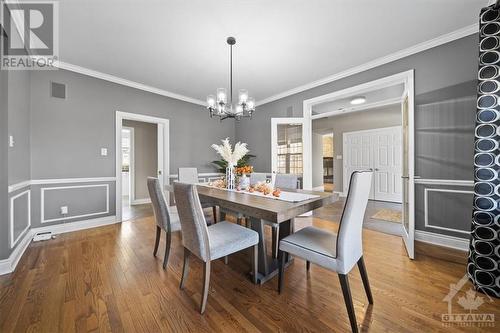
column 287, row 146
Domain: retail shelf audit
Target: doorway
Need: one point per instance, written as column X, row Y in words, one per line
column 357, row 95
column 142, row 143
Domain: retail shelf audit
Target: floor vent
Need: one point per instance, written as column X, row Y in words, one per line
column 42, row 236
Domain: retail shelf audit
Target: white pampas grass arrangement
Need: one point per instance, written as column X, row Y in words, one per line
column 228, row 154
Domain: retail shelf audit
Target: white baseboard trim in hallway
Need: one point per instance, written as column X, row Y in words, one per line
column 141, row 201
column 9, row 265
column 442, row 240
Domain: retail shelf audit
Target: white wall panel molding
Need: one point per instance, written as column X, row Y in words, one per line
column 426, row 209
column 442, row 240
column 26, row 183
column 444, row 182
column 12, row 218
column 42, row 202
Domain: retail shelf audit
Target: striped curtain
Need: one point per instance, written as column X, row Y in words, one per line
column 484, row 253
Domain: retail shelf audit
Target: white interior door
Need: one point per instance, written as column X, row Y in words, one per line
column 379, row 150
column 386, row 148
column 358, row 155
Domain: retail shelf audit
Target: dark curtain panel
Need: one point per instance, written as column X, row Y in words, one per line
column 484, row 254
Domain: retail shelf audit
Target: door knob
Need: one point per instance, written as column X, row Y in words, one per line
column 376, row 169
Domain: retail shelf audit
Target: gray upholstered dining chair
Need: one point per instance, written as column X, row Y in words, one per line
column 212, row 242
column 284, row 181
column 190, row 176
column 338, row 253
column 256, row 177
column 166, row 219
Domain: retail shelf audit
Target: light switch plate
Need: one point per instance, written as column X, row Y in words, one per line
column 64, row 210
column 104, row 151
column 11, row 141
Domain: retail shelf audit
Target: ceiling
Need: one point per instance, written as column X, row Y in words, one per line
column 180, row 46
column 375, row 96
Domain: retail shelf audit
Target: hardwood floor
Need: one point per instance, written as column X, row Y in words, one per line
column 106, row 279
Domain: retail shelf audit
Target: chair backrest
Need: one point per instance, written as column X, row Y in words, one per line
column 349, row 239
column 286, row 181
column 193, row 224
column 188, row 175
column 160, row 207
column 256, row 177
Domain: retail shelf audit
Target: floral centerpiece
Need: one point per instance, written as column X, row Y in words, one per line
column 231, row 157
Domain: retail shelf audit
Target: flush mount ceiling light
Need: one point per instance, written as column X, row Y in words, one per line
column 358, row 100
column 220, row 106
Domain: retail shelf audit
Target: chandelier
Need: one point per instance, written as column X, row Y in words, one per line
column 219, row 105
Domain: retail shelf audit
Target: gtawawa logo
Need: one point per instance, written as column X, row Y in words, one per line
column 470, row 302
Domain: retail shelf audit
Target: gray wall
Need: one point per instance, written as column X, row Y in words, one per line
column 4, row 175
column 442, row 73
column 19, row 126
column 317, row 159
column 357, row 121
column 67, row 135
column 145, row 155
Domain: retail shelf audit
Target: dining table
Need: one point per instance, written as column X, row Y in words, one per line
column 259, row 209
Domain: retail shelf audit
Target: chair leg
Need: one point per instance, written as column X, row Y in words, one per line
column 214, row 210
column 275, row 241
column 346, row 290
column 206, row 284
column 157, row 240
column 308, row 265
column 281, row 273
column 255, row 262
column 226, row 260
column 364, row 277
column 239, row 221
column 167, row 249
column 185, row 268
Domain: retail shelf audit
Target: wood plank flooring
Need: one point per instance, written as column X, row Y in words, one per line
column 106, row 279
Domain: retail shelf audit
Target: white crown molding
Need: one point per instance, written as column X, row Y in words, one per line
column 125, row 82
column 442, row 240
column 443, row 39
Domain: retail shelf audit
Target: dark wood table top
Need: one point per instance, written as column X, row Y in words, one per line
column 264, row 208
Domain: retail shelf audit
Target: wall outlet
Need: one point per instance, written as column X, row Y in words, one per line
column 64, row 210
column 104, row 151
column 11, row 141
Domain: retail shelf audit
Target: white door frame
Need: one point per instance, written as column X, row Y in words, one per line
column 131, row 171
column 406, row 78
column 163, row 152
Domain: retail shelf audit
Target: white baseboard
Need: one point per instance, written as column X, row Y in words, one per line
column 341, row 194
column 141, row 201
column 9, row 265
column 75, row 226
column 442, row 240
column 319, row 188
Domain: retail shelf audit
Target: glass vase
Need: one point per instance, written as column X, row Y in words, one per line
column 230, row 178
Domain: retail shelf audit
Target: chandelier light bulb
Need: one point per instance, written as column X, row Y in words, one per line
column 251, row 104
column 221, row 95
column 211, row 101
column 243, row 96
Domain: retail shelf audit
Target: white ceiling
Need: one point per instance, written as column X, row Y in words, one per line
column 179, row 46
column 375, row 96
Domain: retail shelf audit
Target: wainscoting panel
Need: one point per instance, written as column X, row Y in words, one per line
column 83, row 201
column 20, row 216
column 444, row 207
